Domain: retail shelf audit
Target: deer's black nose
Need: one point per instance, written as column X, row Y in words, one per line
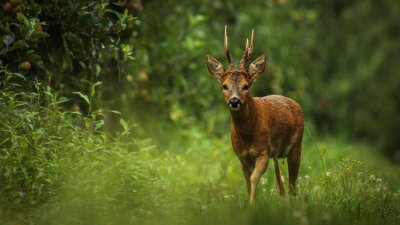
column 234, row 103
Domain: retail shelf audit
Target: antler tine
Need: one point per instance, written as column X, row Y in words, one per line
column 225, row 40
column 247, row 51
column 251, row 42
column 226, row 48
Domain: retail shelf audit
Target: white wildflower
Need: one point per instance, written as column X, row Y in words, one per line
column 227, row 196
column 263, row 181
column 372, row 177
column 328, row 174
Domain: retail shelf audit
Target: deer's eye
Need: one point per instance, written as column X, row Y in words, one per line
column 245, row 87
column 225, row 87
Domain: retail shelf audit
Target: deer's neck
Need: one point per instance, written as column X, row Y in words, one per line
column 244, row 120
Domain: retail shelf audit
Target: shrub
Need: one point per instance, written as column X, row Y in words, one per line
column 64, row 42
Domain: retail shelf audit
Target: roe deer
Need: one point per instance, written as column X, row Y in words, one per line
column 261, row 127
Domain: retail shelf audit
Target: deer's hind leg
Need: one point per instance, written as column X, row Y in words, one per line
column 293, row 160
column 278, row 177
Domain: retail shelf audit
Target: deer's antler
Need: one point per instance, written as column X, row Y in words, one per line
column 247, row 52
column 227, row 53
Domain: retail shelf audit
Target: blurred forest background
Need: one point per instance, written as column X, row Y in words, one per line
column 80, row 73
column 338, row 59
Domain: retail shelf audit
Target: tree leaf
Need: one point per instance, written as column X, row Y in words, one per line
column 8, row 40
column 39, row 34
column 124, row 125
column 22, row 18
column 83, row 96
column 97, row 83
column 99, row 124
column 20, row 44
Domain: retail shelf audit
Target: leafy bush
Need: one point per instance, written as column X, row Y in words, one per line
column 31, row 135
column 36, row 135
column 63, row 43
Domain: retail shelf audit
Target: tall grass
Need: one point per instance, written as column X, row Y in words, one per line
column 57, row 167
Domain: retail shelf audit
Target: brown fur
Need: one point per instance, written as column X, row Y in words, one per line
column 263, row 127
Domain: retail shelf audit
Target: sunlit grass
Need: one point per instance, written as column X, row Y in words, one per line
column 203, row 184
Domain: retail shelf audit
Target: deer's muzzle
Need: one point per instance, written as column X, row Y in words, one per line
column 234, row 104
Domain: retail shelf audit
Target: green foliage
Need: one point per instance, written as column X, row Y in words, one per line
column 42, row 144
column 65, row 42
column 33, row 139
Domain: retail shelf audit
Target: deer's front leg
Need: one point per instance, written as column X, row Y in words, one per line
column 261, row 165
column 247, row 171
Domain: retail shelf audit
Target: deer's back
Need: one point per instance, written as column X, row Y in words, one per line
column 283, row 119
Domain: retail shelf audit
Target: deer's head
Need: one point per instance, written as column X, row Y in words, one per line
column 236, row 82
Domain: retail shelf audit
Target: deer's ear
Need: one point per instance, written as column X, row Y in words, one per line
column 214, row 67
column 257, row 67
